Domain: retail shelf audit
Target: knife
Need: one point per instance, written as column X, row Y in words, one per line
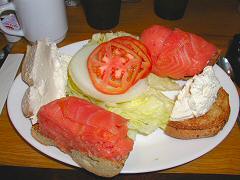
column 8, row 72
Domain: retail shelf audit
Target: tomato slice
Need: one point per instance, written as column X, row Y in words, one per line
column 139, row 48
column 113, row 67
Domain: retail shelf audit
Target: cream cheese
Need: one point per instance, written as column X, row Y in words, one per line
column 49, row 75
column 197, row 96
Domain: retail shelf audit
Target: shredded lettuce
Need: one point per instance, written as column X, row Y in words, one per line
column 162, row 83
column 147, row 112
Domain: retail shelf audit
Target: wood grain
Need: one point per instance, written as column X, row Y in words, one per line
column 215, row 20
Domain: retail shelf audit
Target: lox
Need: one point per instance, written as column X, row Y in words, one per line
column 176, row 53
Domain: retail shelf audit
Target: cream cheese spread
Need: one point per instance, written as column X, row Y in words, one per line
column 49, row 75
column 197, row 96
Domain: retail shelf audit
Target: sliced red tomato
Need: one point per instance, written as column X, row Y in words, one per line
column 113, row 67
column 139, row 48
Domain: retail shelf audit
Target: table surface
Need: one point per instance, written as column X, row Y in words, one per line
column 215, row 20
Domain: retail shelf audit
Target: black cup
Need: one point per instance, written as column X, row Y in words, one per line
column 170, row 9
column 102, row 14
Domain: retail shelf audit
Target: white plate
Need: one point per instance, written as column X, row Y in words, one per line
column 151, row 153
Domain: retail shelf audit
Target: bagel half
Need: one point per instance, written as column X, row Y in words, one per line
column 206, row 125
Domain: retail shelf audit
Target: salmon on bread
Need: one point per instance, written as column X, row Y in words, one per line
column 96, row 139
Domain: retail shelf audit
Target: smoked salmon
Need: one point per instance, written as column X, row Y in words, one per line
column 75, row 124
column 175, row 53
column 154, row 38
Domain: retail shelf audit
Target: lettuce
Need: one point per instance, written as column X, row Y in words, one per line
column 162, row 83
column 147, row 112
column 103, row 37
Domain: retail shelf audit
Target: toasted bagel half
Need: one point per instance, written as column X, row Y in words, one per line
column 206, row 125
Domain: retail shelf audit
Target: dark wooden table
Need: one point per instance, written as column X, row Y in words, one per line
column 215, row 20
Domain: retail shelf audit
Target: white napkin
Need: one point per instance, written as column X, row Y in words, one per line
column 8, row 72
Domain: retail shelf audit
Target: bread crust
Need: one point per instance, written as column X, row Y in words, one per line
column 206, row 125
column 27, row 65
column 25, row 104
column 26, row 73
column 98, row 166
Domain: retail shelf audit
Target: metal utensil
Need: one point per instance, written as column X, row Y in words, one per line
column 231, row 63
column 226, row 66
column 233, row 57
column 4, row 52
